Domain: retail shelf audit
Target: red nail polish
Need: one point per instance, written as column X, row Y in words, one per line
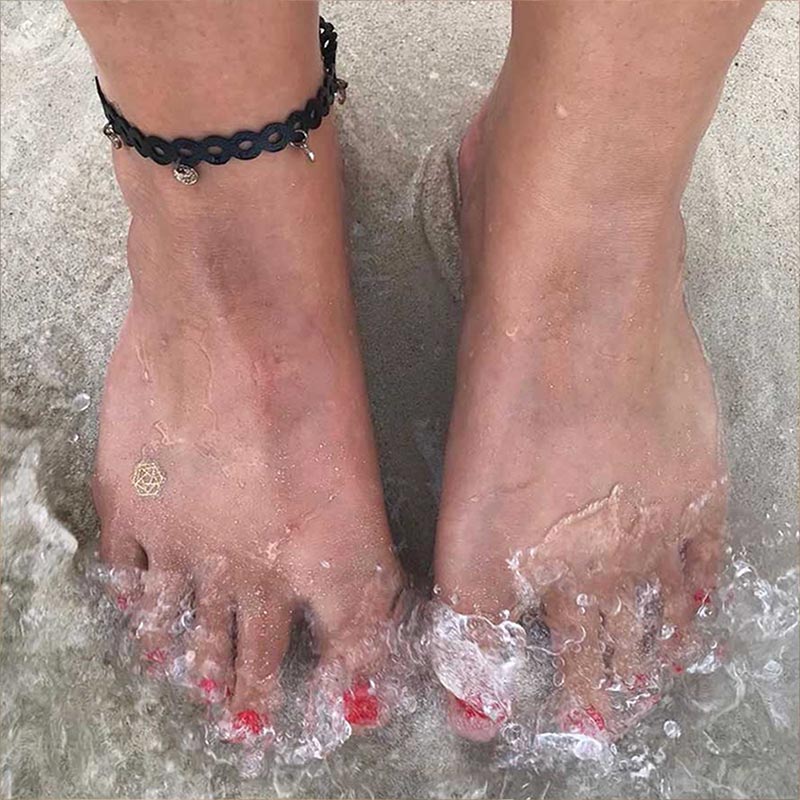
column 208, row 685
column 588, row 721
column 157, row 656
column 640, row 681
column 702, row 597
column 470, row 710
column 596, row 717
column 248, row 721
column 361, row 705
column 473, row 708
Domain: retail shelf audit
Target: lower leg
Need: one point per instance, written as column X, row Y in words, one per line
column 237, row 369
column 579, row 369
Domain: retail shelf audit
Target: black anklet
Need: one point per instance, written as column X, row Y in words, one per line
column 184, row 154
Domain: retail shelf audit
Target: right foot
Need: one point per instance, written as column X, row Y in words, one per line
column 237, row 373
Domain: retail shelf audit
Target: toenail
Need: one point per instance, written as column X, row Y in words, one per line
column 640, row 681
column 249, row 721
column 208, row 686
column 474, row 708
column 157, row 656
column 587, row 722
column 469, row 710
column 361, row 704
column 702, row 597
column 596, row 717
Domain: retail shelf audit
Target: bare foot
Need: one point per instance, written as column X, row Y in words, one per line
column 236, row 464
column 583, row 460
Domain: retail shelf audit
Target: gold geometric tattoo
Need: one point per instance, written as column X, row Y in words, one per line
column 148, row 479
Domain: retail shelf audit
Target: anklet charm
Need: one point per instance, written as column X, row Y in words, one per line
column 303, row 145
column 186, row 175
column 108, row 131
column 184, row 154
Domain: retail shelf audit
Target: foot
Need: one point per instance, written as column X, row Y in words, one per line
column 584, row 485
column 235, row 466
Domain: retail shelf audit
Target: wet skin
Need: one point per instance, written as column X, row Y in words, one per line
column 579, row 375
column 237, row 373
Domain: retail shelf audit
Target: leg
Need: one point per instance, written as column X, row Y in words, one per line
column 579, row 370
column 237, row 368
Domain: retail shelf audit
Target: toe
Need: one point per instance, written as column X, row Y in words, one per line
column 263, row 627
column 155, row 619
column 478, row 660
column 119, row 549
column 676, row 635
column 631, row 629
column 212, row 642
column 703, row 527
column 469, row 719
column 350, row 630
column 584, row 705
column 126, row 558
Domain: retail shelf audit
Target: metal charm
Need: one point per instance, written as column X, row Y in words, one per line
column 112, row 135
column 148, row 479
column 341, row 90
column 303, row 145
column 184, row 174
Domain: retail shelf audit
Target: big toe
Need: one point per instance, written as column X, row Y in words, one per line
column 477, row 655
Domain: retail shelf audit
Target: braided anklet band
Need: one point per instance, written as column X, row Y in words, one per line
column 185, row 154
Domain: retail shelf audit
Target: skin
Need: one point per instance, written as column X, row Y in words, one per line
column 237, row 368
column 579, row 369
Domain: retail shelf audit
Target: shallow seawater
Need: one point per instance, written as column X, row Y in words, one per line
column 80, row 717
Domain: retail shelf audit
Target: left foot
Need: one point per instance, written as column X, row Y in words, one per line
column 584, row 426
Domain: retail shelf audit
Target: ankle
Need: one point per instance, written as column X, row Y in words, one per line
column 575, row 171
column 265, row 232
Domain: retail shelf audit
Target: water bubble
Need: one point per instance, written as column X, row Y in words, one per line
column 671, row 729
column 81, row 402
column 667, row 631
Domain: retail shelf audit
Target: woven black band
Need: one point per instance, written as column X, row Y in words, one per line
column 245, row 144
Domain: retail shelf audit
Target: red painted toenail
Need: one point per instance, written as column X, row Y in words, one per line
column 587, row 722
column 702, row 597
column 596, row 717
column 208, row 685
column 249, row 720
column 471, row 710
column 640, row 681
column 361, row 705
column 475, row 708
column 157, row 656
column 122, row 602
